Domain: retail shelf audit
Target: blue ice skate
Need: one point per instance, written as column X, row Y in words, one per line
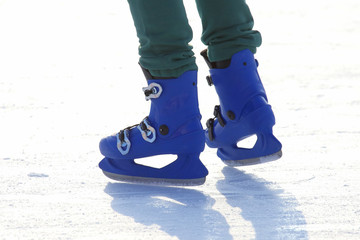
column 243, row 112
column 172, row 127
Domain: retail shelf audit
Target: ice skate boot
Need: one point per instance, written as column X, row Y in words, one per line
column 243, row 112
column 172, row 127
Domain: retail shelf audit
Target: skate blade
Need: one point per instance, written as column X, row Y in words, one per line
column 253, row 161
column 155, row 181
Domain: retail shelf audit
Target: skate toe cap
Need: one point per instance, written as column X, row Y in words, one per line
column 108, row 146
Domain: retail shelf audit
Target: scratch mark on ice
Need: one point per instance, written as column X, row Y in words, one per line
column 39, row 175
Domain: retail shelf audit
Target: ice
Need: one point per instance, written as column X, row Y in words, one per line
column 69, row 76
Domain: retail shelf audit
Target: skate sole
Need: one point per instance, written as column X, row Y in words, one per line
column 254, row 161
column 155, row 181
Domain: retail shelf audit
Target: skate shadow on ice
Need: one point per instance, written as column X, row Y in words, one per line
column 181, row 212
column 271, row 212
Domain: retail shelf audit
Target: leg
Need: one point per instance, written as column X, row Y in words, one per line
column 227, row 28
column 164, row 35
column 244, row 110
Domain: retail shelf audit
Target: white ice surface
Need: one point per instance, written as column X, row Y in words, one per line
column 69, row 76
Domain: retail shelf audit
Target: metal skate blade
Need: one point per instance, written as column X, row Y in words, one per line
column 253, row 161
column 155, row 181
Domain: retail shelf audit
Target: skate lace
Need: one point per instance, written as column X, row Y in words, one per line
column 210, row 122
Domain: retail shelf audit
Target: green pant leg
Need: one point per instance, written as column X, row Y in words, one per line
column 227, row 28
column 164, row 35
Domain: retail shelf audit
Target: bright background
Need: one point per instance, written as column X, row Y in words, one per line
column 69, row 76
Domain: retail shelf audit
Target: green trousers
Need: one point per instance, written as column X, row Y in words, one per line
column 164, row 33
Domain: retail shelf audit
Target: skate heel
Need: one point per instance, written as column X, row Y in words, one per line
column 260, row 123
column 186, row 170
column 191, row 167
column 260, row 120
column 267, row 147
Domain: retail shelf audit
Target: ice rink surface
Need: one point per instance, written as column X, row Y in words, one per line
column 69, row 76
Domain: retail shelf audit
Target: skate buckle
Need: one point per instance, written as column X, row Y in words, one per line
column 210, row 126
column 123, row 142
column 217, row 114
column 210, row 123
column 154, row 90
column 147, row 131
column 209, row 80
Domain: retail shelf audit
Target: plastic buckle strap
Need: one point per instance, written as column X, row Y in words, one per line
column 123, row 143
column 217, row 114
column 211, row 121
column 147, row 131
column 209, row 80
column 154, row 90
column 210, row 126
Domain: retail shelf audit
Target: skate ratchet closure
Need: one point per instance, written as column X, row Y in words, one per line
column 154, row 90
column 210, row 122
column 123, row 142
column 147, row 132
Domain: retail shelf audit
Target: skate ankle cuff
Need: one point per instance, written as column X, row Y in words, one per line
column 218, row 64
